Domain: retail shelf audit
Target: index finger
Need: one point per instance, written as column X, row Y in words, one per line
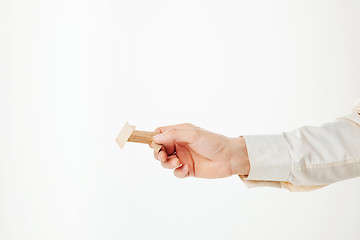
column 169, row 147
column 167, row 128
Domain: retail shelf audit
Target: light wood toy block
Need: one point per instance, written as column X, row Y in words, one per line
column 129, row 134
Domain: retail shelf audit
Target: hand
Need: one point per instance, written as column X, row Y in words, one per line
column 193, row 151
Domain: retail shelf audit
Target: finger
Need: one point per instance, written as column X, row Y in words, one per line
column 167, row 128
column 182, row 171
column 176, row 135
column 156, row 154
column 161, row 156
column 171, row 163
column 169, row 146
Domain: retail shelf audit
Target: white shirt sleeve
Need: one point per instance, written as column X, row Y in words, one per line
column 307, row 158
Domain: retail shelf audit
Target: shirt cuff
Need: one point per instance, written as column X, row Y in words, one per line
column 274, row 184
column 254, row 183
column 269, row 158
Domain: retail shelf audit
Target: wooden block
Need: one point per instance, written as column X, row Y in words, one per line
column 141, row 137
column 124, row 134
column 129, row 134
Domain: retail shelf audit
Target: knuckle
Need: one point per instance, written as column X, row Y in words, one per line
column 163, row 164
column 176, row 174
column 172, row 131
column 166, row 164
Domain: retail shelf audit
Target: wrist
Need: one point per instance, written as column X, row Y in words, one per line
column 239, row 159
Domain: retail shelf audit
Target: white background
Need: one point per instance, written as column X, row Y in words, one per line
column 72, row 72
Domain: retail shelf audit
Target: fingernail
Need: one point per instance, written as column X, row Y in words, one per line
column 158, row 137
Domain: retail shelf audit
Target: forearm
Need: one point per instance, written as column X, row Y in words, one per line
column 308, row 156
column 324, row 155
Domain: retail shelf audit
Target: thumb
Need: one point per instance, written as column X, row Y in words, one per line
column 176, row 135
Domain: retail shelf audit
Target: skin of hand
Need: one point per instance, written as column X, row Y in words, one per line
column 193, row 151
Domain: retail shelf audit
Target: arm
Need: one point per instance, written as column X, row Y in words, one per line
column 305, row 159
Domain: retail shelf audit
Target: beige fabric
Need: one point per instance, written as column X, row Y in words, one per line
column 307, row 158
column 278, row 184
